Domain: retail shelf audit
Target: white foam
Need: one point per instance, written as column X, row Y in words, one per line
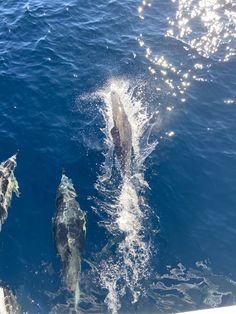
column 138, row 118
column 3, row 309
column 124, row 210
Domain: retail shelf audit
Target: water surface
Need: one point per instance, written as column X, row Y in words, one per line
column 164, row 241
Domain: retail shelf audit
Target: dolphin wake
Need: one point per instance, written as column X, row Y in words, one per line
column 124, row 212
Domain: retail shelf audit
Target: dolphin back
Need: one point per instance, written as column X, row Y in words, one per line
column 121, row 133
column 8, row 185
column 69, row 232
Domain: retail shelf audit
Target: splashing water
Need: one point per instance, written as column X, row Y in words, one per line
column 124, row 207
column 130, row 265
column 140, row 120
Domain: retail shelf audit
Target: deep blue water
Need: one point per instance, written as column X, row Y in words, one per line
column 53, row 55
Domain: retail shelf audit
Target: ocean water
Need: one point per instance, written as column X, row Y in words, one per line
column 162, row 241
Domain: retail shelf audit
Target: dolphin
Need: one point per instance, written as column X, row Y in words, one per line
column 8, row 301
column 121, row 133
column 8, row 185
column 69, row 232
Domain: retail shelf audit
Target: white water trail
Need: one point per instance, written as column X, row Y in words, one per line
column 124, row 207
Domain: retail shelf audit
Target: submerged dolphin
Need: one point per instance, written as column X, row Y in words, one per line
column 69, row 232
column 8, row 185
column 8, row 301
column 121, row 133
